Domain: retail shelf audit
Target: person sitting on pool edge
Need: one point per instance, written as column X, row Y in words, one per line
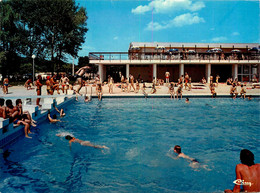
column 247, row 173
column 83, row 143
column 53, row 119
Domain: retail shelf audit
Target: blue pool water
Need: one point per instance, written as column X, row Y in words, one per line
column 139, row 133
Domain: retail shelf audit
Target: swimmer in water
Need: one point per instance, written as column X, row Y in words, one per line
column 61, row 111
column 193, row 162
column 81, row 142
column 187, row 100
column 53, row 119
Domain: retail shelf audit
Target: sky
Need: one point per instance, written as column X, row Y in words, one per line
column 114, row 24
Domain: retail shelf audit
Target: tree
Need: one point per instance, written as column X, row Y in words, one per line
column 83, row 61
column 50, row 29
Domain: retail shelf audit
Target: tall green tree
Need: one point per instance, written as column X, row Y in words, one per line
column 50, row 29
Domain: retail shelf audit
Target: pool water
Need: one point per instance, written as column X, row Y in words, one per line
column 139, row 133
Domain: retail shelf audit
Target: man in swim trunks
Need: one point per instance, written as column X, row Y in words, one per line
column 186, row 77
column 38, row 89
column 48, row 88
column 233, row 91
column 54, row 84
column 2, row 108
column 167, row 77
column 64, row 81
column 80, row 74
column 193, row 162
column 28, row 84
column 83, row 143
column 52, row 119
column 247, row 174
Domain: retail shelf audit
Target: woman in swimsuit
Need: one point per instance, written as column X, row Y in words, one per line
column 6, row 83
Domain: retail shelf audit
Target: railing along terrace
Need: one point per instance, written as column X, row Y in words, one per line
column 227, row 56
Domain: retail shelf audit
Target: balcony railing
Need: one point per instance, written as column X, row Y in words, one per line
column 173, row 56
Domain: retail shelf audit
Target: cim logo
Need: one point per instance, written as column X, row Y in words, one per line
column 242, row 182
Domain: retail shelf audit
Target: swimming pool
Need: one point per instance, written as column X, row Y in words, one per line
column 139, row 133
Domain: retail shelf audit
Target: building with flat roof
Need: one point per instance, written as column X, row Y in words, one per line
column 150, row 60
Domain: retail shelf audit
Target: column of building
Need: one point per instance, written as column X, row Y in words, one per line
column 208, row 72
column 235, row 71
column 155, row 71
column 101, row 72
column 181, row 70
column 127, row 71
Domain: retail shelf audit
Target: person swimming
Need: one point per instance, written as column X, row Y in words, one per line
column 81, row 142
column 53, row 119
column 194, row 163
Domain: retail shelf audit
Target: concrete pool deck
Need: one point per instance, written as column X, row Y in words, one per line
column 198, row 90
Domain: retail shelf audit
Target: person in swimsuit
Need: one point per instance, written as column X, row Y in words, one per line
column 171, row 90
column 144, row 88
column 137, row 86
column 122, row 83
column 52, row 119
column 179, row 91
column 153, row 91
column 193, row 162
column 99, row 91
column 48, row 88
column 187, row 100
column 213, row 92
column 64, row 81
column 243, row 91
column 233, row 91
column 83, row 143
column 131, row 77
column 38, row 89
column 15, row 115
column 211, row 79
column 54, row 84
column 61, row 111
column 189, row 86
column 25, row 115
column 167, row 77
column 28, row 84
column 5, row 85
column 186, row 77
column 110, row 84
column 80, row 74
column 217, row 78
column 247, row 174
column 2, row 108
